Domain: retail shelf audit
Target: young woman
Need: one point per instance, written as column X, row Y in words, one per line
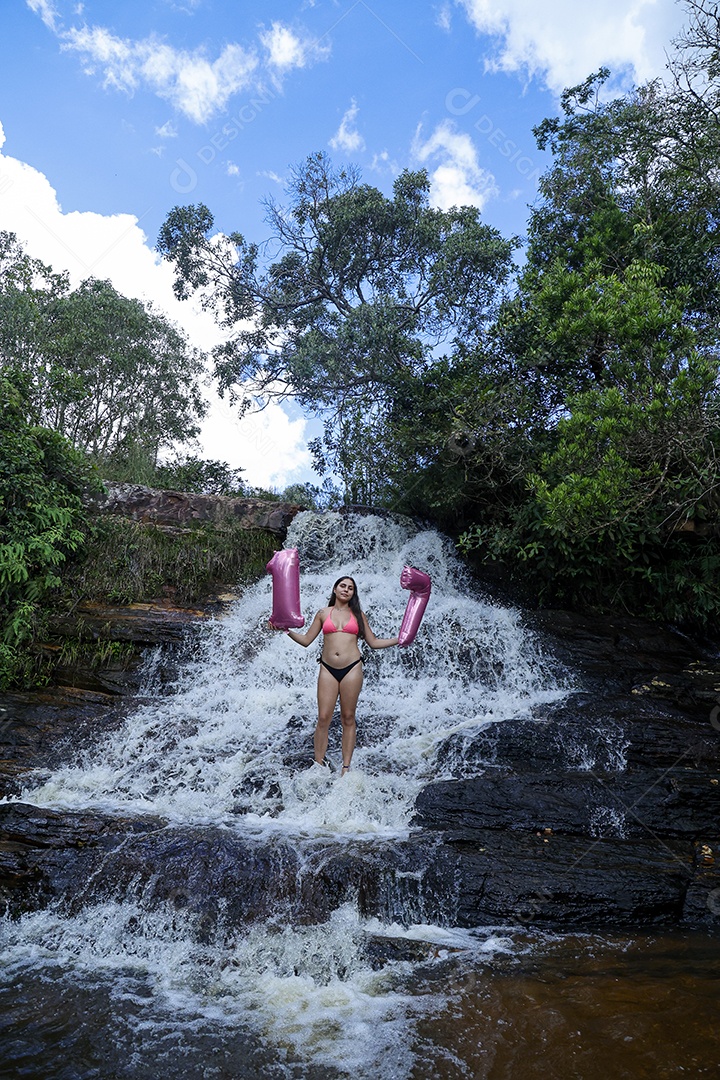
column 342, row 622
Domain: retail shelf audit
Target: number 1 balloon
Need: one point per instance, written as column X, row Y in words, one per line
column 285, row 569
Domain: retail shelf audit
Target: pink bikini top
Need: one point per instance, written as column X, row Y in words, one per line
column 350, row 627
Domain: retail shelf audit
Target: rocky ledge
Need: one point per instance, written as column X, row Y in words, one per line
column 179, row 509
column 600, row 811
column 98, row 649
column 603, row 810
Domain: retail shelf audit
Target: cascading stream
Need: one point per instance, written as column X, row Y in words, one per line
column 233, row 743
column 230, row 746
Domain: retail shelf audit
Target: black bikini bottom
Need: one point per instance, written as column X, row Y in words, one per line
column 339, row 673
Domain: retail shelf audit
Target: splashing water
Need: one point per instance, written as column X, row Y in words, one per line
column 313, row 991
column 233, row 743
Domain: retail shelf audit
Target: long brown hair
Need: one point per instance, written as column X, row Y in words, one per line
column 353, row 604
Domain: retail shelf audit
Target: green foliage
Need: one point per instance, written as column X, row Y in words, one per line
column 632, row 179
column 355, row 311
column 108, row 373
column 605, row 516
column 190, row 473
column 125, row 562
column 183, row 472
column 613, row 344
column 41, row 523
column 312, row 496
column 570, row 429
column 75, row 652
column 134, row 464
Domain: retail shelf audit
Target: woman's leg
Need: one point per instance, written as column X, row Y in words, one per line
column 327, row 694
column 349, row 693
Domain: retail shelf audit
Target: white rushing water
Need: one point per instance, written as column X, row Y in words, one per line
column 310, row 991
column 233, row 743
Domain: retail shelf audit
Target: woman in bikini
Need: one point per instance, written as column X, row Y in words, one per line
column 342, row 622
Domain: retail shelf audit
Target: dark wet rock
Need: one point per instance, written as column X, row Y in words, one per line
column 380, row 950
column 50, row 727
column 142, row 624
column 598, row 811
column 48, row 855
column 600, row 801
column 676, row 803
column 587, row 731
column 615, row 652
column 567, row 881
column 212, row 873
column 702, row 901
column 116, row 678
column 464, row 877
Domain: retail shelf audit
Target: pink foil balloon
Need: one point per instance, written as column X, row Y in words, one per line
column 285, row 569
column 419, row 585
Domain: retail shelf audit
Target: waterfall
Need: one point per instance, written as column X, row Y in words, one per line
column 226, row 753
column 232, row 742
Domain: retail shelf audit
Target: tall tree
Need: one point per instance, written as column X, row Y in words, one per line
column 632, row 178
column 365, row 295
column 105, row 371
column 615, row 333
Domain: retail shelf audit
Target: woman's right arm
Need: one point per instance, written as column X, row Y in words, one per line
column 310, row 634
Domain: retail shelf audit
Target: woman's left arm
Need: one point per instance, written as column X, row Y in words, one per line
column 376, row 642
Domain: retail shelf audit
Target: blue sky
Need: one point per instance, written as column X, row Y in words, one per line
column 110, row 114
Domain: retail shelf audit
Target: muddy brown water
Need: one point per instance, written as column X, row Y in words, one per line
column 552, row 1007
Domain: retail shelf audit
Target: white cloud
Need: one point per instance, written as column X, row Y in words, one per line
column 444, row 18
column 384, row 165
column 458, row 178
column 565, row 41
column 195, row 85
column 167, row 131
column 232, row 169
column 271, row 176
column 347, row 137
column 269, row 446
column 287, row 50
column 46, row 11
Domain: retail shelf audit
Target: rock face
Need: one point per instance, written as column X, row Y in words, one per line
column 601, row 811
column 604, row 810
column 157, row 623
column 48, row 727
column 98, row 647
column 177, row 509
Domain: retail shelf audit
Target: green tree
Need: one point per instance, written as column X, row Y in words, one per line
column 190, row 473
column 632, row 179
column 612, row 344
column 108, row 373
column 366, row 294
column 41, row 523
